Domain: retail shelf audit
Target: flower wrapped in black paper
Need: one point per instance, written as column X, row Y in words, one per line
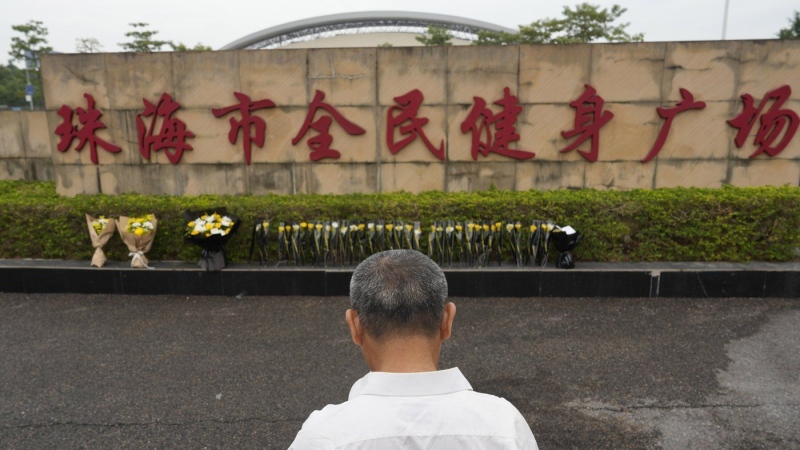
column 565, row 240
column 210, row 230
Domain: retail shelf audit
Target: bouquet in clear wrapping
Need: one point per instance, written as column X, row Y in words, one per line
column 100, row 231
column 138, row 234
column 210, row 230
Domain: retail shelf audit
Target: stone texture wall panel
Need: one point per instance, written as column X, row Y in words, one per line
column 205, row 79
column 345, row 75
column 133, row 77
column 67, row 77
column 690, row 173
column 482, row 71
column 412, row 177
column 553, row 73
column 278, row 75
column 404, row 69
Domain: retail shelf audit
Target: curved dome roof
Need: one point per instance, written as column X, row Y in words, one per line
column 330, row 25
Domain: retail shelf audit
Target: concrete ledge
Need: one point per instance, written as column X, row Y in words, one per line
column 588, row 280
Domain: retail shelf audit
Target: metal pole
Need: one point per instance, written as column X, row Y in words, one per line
column 725, row 20
column 28, row 82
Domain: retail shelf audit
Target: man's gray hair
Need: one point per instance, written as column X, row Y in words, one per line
column 399, row 292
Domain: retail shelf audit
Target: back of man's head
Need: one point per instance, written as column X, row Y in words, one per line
column 398, row 292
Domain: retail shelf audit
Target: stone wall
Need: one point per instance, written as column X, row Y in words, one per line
column 25, row 146
column 632, row 79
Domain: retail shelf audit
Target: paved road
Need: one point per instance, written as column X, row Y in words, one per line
column 210, row 372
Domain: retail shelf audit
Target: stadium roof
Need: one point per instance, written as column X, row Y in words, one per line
column 361, row 22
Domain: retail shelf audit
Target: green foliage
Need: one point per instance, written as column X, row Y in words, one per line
column 435, row 36
column 28, row 49
column 88, row 45
column 181, row 47
column 12, row 86
column 728, row 224
column 142, row 39
column 793, row 30
column 585, row 23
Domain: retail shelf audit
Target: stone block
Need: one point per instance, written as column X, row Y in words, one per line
column 703, row 174
column 74, row 156
column 482, row 71
column 15, row 169
column 404, row 69
column 792, row 149
column 540, row 128
column 154, row 179
column 42, row 169
column 12, row 141
column 282, row 126
column 619, row 175
column 767, row 65
column 67, row 77
column 278, row 75
column 201, row 179
column 628, row 72
column 270, row 179
column 35, row 134
column 205, row 79
column 765, row 172
column 553, row 73
column 124, row 134
column 345, row 75
column 700, row 134
column 412, row 177
column 341, row 178
column 706, row 69
column 460, row 144
column 210, row 143
column 74, row 179
column 630, row 134
column 480, row 176
column 549, row 175
column 352, row 148
column 416, row 150
column 135, row 76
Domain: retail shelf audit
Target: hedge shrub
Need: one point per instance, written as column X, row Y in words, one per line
column 727, row 224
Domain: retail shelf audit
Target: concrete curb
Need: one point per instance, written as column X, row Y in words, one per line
column 654, row 280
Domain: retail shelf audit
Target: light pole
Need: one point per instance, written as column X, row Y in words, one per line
column 725, row 19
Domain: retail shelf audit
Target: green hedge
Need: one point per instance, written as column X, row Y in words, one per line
column 728, row 224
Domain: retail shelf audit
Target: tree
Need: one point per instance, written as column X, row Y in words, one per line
column 12, row 86
column 181, row 47
column 793, row 30
column 88, row 45
column 435, row 36
column 28, row 48
column 585, row 23
column 143, row 40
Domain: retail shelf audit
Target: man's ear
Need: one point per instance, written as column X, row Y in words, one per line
column 446, row 328
column 356, row 330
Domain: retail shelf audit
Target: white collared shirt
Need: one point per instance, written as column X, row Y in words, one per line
column 425, row 410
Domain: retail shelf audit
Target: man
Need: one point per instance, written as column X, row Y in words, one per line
column 399, row 318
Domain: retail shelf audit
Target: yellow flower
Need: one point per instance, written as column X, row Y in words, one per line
column 190, row 224
column 139, row 231
column 498, row 225
column 318, row 226
column 195, row 232
column 533, row 228
column 264, row 225
column 217, row 225
column 486, row 228
column 389, row 227
column 471, row 226
column 303, row 225
column 459, row 228
column 517, row 226
column 409, row 227
column 209, row 226
column 509, row 227
column 438, row 228
column 288, row 228
column 361, row 226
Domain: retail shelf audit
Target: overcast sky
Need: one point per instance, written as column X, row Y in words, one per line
column 217, row 23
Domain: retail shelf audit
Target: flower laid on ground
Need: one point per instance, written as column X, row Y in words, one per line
column 210, row 230
column 210, row 225
column 138, row 233
column 100, row 231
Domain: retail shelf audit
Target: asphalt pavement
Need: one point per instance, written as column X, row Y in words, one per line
column 130, row 372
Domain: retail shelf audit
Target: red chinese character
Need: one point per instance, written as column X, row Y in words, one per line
column 245, row 107
column 89, row 118
column 321, row 144
column 669, row 114
column 773, row 122
column 409, row 107
column 589, row 118
column 172, row 133
column 505, row 130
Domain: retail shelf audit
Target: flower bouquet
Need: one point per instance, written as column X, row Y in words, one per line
column 138, row 234
column 100, row 231
column 566, row 239
column 210, row 230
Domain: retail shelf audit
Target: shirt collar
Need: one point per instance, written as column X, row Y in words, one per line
column 410, row 384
